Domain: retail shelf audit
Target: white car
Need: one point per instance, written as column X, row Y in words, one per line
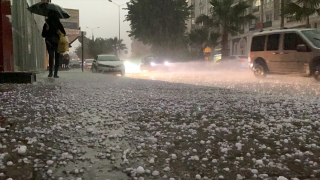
column 88, row 63
column 233, row 62
column 108, row 63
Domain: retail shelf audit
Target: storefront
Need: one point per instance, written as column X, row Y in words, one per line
column 6, row 45
column 23, row 48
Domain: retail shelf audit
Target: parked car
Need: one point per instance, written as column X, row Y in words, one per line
column 88, row 63
column 286, row 51
column 108, row 64
column 234, row 62
column 74, row 64
column 153, row 63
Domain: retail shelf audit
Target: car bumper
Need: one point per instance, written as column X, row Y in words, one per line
column 111, row 70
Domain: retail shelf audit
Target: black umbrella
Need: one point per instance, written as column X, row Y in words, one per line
column 43, row 8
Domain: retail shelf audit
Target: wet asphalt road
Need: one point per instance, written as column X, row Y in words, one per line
column 104, row 126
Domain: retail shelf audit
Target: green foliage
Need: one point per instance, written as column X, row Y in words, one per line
column 98, row 46
column 226, row 18
column 302, row 9
column 159, row 23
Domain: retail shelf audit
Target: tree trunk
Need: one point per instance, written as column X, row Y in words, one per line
column 282, row 13
column 308, row 22
column 224, row 44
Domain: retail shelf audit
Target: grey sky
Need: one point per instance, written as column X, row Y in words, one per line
column 100, row 13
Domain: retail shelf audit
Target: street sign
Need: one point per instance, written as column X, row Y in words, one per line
column 207, row 50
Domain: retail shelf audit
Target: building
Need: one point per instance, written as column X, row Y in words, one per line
column 268, row 15
column 21, row 44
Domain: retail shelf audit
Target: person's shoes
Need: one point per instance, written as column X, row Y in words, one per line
column 56, row 76
column 50, row 75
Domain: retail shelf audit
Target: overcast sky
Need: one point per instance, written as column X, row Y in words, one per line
column 100, row 13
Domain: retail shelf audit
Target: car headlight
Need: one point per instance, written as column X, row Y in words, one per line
column 153, row 64
column 166, row 63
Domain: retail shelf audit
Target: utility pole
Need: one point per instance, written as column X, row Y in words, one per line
column 119, row 5
column 92, row 37
column 82, row 35
column 282, row 14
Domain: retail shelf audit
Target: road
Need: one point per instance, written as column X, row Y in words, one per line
column 183, row 124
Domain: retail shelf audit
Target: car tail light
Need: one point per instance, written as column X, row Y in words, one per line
column 242, row 60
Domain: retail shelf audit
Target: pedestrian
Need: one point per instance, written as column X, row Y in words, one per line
column 51, row 32
column 67, row 61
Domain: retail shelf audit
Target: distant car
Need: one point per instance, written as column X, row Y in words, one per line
column 108, row 63
column 88, row 63
column 74, row 64
column 153, row 63
column 234, row 62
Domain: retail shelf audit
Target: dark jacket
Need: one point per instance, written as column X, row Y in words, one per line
column 51, row 36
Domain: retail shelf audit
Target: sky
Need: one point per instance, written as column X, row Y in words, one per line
column 100, row 13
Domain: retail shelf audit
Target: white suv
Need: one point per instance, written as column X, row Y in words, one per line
column 286, row 51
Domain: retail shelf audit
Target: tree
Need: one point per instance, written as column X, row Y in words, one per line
column 226, row 18
column 159, row 23
column 303, row 9
column 197, row 38
column 93, row 48
column 116, row 45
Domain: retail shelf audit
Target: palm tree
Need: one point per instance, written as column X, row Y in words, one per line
column 226, row 18
column 303, row 9
column 116, row 44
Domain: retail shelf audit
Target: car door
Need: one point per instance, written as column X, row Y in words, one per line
column 296, row 60
column 272, row 54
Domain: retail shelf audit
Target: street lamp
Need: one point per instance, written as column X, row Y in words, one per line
column 92, row 31
column 119, row 5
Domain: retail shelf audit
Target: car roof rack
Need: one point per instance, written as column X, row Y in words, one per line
column 275, row 29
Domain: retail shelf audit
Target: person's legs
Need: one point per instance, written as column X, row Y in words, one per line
column 56, row 64
column 51, row 56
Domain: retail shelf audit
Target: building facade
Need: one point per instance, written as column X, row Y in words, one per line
column 22, row 46
column 268, row 17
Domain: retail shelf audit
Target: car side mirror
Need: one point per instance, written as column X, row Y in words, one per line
column 302, row 48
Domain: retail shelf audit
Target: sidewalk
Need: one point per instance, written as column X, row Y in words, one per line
column 58, row 131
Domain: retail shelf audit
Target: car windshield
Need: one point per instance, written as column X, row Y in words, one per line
column 314, row 36
column 108, row 58
column 74, row 61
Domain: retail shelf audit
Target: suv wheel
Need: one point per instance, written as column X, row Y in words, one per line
column 259, row 71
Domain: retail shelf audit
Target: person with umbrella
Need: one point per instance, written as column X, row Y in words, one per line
column 51, row 30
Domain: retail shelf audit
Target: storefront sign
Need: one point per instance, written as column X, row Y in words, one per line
column 71, row 25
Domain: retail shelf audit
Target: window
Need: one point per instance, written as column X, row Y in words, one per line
column 273, row 42
column 108, row 58
column 313, row 36
column 291, row 41
column 257, row 3
column 258, row 43
column 268, row 17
